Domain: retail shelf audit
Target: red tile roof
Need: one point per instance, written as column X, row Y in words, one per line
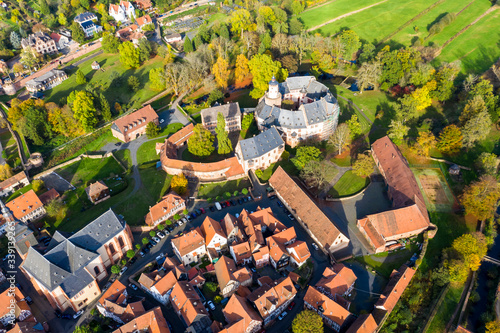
column 186, row 301
column 242, row 251
column 300, row 251
column 164, row 207
column 364, row 324
column 13, row 180
column 337, row 280
column 25, row 204
column 96, row 188
column 143, row 20
column 331, row 309
column 151, row 321
column 311, row 215
column 395, row 288
column 181, row 135
column 238, row 310
column 48, row 196
column 135, row 120
column 210, row 228
column 116, row 289
column 188, row 242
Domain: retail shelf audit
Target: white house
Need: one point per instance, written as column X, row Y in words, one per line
column 86, row 21
column 122, row 12
column 159, row 287
column 189, row 247
column 214, row 235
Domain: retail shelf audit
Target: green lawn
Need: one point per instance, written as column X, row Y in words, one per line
column 288, row 166
column 445, row 311
column 212, row 190
column 147, row 152
column 384, row 263
column 348, row 184
column 474, row 48
column 161, row 102
column 423, row 24
column 333, row 9
column 109, row 63
column 7, row 139
column 431, row 204
column 123, row 155
column 379, row 21
column 344, row 161
column 89, row 170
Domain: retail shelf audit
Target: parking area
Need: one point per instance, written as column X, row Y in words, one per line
column 53, row 180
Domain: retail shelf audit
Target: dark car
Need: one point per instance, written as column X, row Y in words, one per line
column 149, row 245
column 223, row 204
column 245, row 199
column 290, row 307
column 146, row 249
column 28, row 300
column 152, row 241
column 133, row 260
column 58, row 313
column 286, row 211
column 250, row 198
column 228, row 203
column 198, row 212
column 240, row 201
column 170, row 228
column 280, row 204
column 118, row 144
column 212, row 208
column 203, row 211
column 272, row 197
column 66, row 316
column 232, row 202
column 193, row 215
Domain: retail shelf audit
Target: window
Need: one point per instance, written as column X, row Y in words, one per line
column 112, row 248
column 120, row 241
column 96, row 270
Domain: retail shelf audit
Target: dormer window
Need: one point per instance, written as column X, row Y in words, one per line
column 126, row 129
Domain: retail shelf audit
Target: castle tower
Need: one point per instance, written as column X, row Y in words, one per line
column 273, row 96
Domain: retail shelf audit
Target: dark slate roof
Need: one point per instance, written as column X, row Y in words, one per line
column 87, row 24
column 261, row 144
column 45, row 77
column 23, row 235
column 85, row 17
column 64, row 263
column 98, row 232
column 228, row 110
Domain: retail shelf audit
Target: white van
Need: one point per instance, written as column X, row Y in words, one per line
column 218, row 206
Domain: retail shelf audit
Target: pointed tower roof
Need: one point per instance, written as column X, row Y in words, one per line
column 7, row 214
column 273, row 81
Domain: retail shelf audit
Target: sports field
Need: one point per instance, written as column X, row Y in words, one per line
column 437, row 194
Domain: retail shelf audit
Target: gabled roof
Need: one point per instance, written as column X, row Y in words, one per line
column 135, row 120
column 9, row 297
column 237, row 310
column 265, row 217
column 328, row 308
column 228, row 110
column 151, row 321
column 188, row 242
column 166, row 283
column 87, row 16
column 48, row 196
column 300, row 251
column 276, row 294
column 210, row 228
column 162, row 208
column 113, row 292
column 96, row 188
column 337, row 280
column 181, row 135
column 143, row 20
column 285, row 236
column 226, row 271
column 310, row 214
column 144, row 3
column 242, row 251
column 364, row 324
column 24, row 204
column 187, row 301
column 276, row 249
column 395, row 288
column 13, row 180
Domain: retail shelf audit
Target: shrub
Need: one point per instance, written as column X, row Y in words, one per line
column 217, row 299
column 227, row 195
column 123, row 262
column 285, row 155
column 217, row 198
column 244, row 191
column 168, row 222
column 185, row 212
column 177, row 217
column 115, row 269
column 210, row 287
column 152, row 233
column 259, row 173
column 137, row 246
column 37, row 185
column 236, row 193
column 209, row 200
column 145, row 241
column 161, row 227
column 130, row 254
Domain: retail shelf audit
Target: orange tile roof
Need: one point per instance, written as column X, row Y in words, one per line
column 151, row 321
column 266, row 217
column 149, row 279
column 266, row 296
column 307, row 210
column 166, row 283
column 364, row 324
column 146, row 19
column 197, row 280
column 186, row 301
column 242, row 251
column 135, row 120
column 294, row 276
column 132, row 311
column 96, row 188
column 301, row 251
column 6, row 298
column 13, row 180
column 230, row 166
column 461, row 329
column 259, row 255
column 114, row 8
column 210, row 228
column 181, row 135
column 337, row 280
column 188, row 242
column 285, row 236
column 331, row 309
column 164, row 207
column 238, row 310
column 25, row 204
column 402, row 186
column 276, row 249
column 144, row 4
column 252, row 230
column 115, row 289
column 395, row 288
column 224, row 270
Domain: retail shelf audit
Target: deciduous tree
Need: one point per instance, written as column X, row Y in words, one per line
column 450, row 140
column 247, row 120
column 241, row 20
column 493, row 326
column 363, row 166
column 340, row 138
column 221, row 72
column 15, row 40
column 201, row 143
column 354, row 126
column 144, row 49
column 425, row 142
column 304, row 155
column 77, row 32
column 179, row 184
column 129, row 55
column 5, row 172
column 115, row 269
column 152, row 130
column 314, row 174
column 56, row 208
column 133, row 83
column 476, row 129
column 445, row 77
column 397, row 131
column 157, row 79
column 487, row 163
column 110, row 43
column 480, row 198
column 188, row 45
column 242, row 69
column 263, row 68
column 307, row 321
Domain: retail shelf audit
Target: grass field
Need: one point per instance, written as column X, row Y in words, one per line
column 147, row 151
column 474, row 48
column 384, row 263
column 109, row 63
column 348, row 184
column 90, row 170
column 446, row 309
column 443, row 190
column 123, row 155
column 379, row 21
column 334, row 9
column 7, row 139
column 212, row 190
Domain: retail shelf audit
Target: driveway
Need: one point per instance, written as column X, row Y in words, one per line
column 170, row 117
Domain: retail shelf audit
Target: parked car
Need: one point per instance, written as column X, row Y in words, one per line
column 202, row 211
column 193, row 215
column 180, row 222
column 58, row 313
column 212, row 208
column 290, row 307
column 290, row 216
column 250, row 198
column 228, row 203
column 147, row 248
column 160, row 234
column 280, row 204
column 315, row 246
column 245, row 199
column 133, row 286
column 133, row 260
column 240, row 201
column 28, row 300
column 282, row 315
column 198, row 212
column 286, row 211
column 161, row 121
column 118, row 144
column 166, row 232
column 211, row 305
column 66, row 316
column 78, row 314
column 272, row 197
column 152, row 242
column 124, row 269
column 185, row 220
column 218, row 206
column 156, row 239
column 224, row 205
column 233, row 203
column 142, row 254
column 253, row 269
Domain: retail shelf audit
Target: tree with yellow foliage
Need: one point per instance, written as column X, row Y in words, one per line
column 465, row 255
column 423, row 96
column 480, row 197
column 242, row 69
column 493, row 326
column 5, row 172
column 221, row 72
column 179, row 184
column 425, row 142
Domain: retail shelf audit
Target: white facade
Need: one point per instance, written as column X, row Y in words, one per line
column 163, row 299
column 217, row 242
column 122, row 12
column 193, row 256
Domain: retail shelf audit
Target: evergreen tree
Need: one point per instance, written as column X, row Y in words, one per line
column 15, row 40
column 105, row 108
column 224, row 144
column 188, row 45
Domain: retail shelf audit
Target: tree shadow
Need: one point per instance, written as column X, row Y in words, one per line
column 436, row 20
